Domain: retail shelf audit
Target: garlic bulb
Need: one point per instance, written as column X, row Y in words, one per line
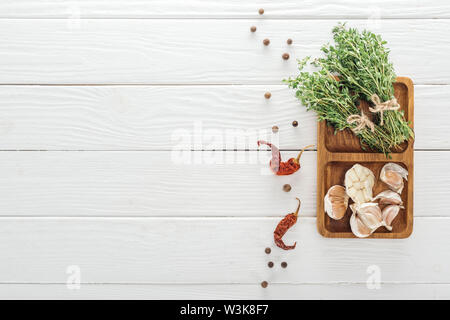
column 393, row 174
column 389, row 213
column 388, row 197
column 336, row 202
column 359, row 182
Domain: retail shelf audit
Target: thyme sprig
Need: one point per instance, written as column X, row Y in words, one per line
column 361, row 61
column 333, row 102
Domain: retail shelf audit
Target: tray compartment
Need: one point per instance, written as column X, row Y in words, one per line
column 346, row 141
column 336, row 153
column 335, row 173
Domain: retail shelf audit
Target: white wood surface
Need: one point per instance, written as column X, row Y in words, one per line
column 310, row 9
column 339, row 291
column 212, row 250
column 161, row 117
column 133, row 184
column 94, row 97
column 203, row 51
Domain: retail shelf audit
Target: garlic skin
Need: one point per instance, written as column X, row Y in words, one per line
column 393, row 174
column 336, row 202
column 369, row 213
column 388, row 197
column 368, row 217
column 359, row 229
column 359, row 182
column 389, row 213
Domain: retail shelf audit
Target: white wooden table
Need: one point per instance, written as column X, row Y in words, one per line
column 95, row 96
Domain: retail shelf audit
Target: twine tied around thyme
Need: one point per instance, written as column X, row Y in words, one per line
column 390, row 105
column 362, row 122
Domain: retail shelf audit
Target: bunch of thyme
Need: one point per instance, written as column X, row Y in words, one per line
column 361, row 61
column 333, row 102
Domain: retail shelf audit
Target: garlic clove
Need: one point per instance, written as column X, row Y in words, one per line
column 336, row 202
column 359, row 182
column 360, row 196
column 393, row 174
column 359, row 229
column 367, row 193
column 388, row 197
column 370, row 178
column 359, row 170
column 370, row 214
column 351, row 176
column 389, row 213
column 351, row 192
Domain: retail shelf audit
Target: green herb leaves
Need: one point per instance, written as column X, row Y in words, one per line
column 361, row 61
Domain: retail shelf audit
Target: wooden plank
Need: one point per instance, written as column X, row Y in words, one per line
column 225, row 9
column 212, row 250
column 149, row 117
column 164, row 51
column 333, row 291
column 161, row 117
column 152, row 184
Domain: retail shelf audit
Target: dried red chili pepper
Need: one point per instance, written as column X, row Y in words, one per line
column 279, row 167
column 283, row 226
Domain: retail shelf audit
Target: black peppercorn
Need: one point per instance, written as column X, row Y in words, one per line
column 267, row 95
column 266, row 42
column 270, row 264
column 267, row 250
column 284, row 264
column 285, row 56
column 289, row 41
column 274, row 129
column 253, row 29
column 294, row 123
column 261, row 11
column 287, row 187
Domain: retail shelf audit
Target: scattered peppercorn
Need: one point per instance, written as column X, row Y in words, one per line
column 267, row 95
column 266, row 42
column 261, row 11
column 274, row 129
column 270, row 264
column 287, row 187
column 285, row 56
column 264, row 284
column 294, row 123
column 284, row 264
column 267, row 250
column 253, row 29
column 289, row 41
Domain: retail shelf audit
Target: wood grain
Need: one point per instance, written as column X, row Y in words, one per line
column 158, row 117
column 334, row 291
column 337, row 153
column 141, row 225
column 161, row 51
column 149, row 184
column 212, row 250
column 318, row 9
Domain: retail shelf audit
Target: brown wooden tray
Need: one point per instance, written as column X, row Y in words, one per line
column 336, row 153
